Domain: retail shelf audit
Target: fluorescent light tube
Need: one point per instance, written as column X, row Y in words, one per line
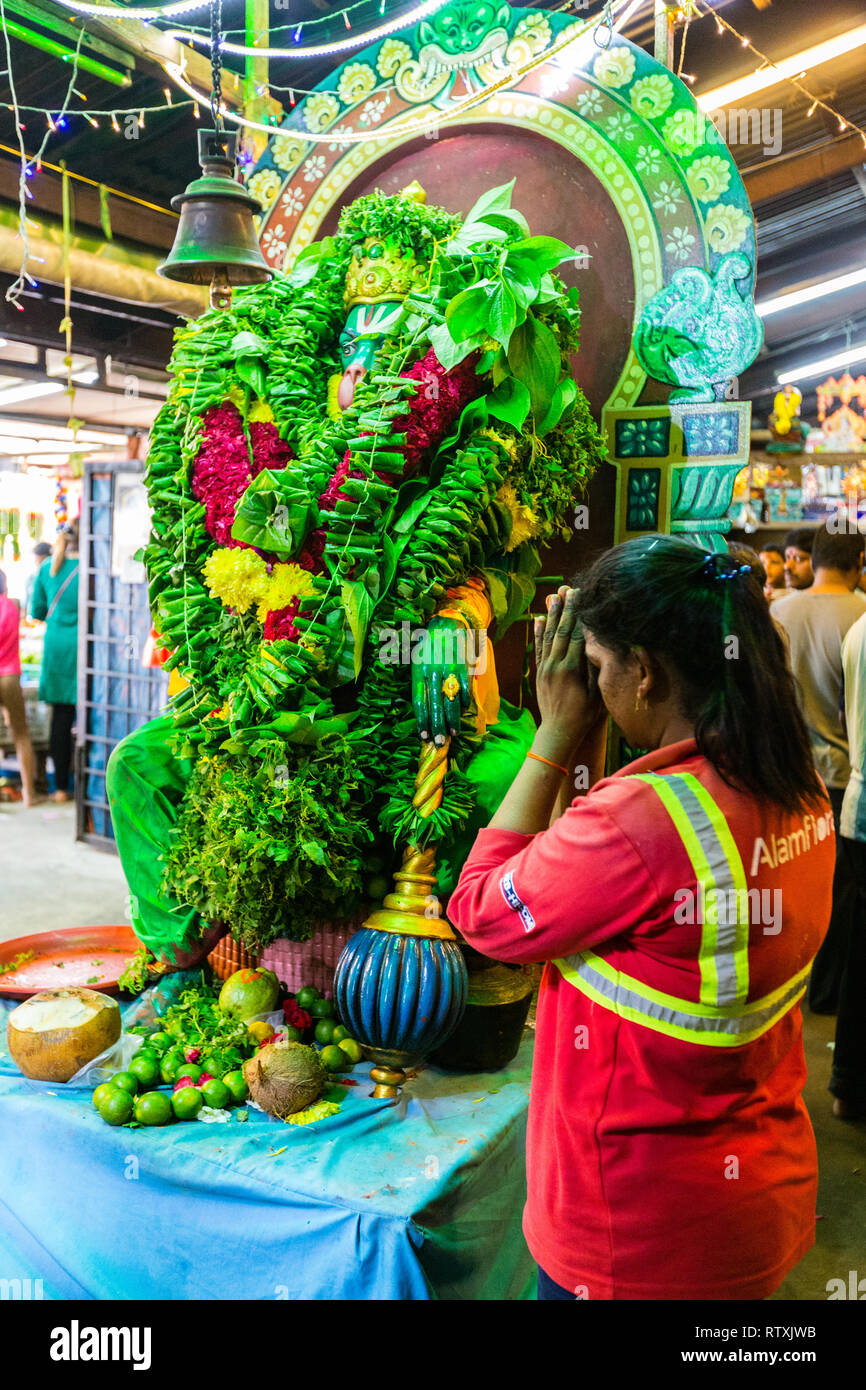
column 824, row 364
column 775, row 73
column 791, row 298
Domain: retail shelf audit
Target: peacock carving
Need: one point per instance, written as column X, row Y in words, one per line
column 701, row 329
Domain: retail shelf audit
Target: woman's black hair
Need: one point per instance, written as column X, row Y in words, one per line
column 706, row 616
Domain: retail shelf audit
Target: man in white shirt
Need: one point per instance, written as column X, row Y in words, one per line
column 816, row 620
column 848, row 1080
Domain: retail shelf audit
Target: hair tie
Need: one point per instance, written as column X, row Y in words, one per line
column 718, row 568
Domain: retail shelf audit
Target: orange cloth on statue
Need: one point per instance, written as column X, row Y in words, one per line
column 470, row 606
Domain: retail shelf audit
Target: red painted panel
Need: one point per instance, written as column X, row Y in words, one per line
column 560, row 197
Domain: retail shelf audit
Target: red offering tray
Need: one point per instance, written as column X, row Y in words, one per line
column 88, row 957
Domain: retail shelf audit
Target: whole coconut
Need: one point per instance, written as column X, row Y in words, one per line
column 285, row 1077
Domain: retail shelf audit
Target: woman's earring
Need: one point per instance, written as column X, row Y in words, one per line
column 637, row 704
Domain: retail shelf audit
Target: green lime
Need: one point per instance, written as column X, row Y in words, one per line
column 186, row 1103
column 149, row 1052
column 106, row 1089
column 324, row 1031
column 126, row 1081
column 352, row 1049
column 145, row 1070
column 322, row 1008
column 211, row 1066
column 292, row 1034
column 190, row 1069
column 117, row 1107
column 168, row 1070
column 216, row 1094
column 160, row 1042
column 154, row 1108
column 307, row 996
column 177, row 1051
column 339, row 1033
column 334, row 1058
column 236, row 1086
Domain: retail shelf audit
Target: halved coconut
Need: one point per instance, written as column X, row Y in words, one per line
column 56, row 1032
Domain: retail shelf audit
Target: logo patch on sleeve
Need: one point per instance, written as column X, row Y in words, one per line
column 515, row 902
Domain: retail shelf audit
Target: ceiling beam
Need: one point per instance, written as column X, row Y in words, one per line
column 51, row 19
column 130, row 221
column 792, row 171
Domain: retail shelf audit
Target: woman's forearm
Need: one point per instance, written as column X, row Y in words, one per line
column 530, row 800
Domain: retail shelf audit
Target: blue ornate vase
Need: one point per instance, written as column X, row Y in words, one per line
column 400, row 985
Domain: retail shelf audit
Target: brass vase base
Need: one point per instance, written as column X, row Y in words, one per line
column 389, row 1081
column 413, row 908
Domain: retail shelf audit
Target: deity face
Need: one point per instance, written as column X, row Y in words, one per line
column 360, row 340
column 466, row 28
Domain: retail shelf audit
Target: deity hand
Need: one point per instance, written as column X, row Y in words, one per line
column 441, row 690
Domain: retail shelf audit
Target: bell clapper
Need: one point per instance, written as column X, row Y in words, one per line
column 220, row 290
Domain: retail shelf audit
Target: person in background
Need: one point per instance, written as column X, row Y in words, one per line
column 848, row 1078
column 55, row 600
column 669, row 1053
column 816, row 621
column 40, row 553
column 772, row 557
column 11, row 698
column 798, row 558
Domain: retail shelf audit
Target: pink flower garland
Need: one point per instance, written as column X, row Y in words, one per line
column 222, row 471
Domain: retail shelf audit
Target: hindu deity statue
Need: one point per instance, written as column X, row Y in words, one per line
column 350, row 483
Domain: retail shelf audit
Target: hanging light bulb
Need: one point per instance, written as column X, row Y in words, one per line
column 216, row 242
column 114, row 125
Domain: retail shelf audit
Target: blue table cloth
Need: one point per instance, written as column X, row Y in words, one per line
column 416, row 1199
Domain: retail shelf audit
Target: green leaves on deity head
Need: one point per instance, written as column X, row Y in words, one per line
column 307, row 262
column 273, row 514
column 534, row 358
column 510, row 402
column 563, row 398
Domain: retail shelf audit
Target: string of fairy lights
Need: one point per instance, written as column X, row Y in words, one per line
column 612, row 16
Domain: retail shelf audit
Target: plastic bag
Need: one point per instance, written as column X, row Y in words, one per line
column 114, row 1059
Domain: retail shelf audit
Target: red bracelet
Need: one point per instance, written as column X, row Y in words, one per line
column 538, row 758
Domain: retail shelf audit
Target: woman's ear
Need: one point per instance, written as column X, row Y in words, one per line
column 651, row 674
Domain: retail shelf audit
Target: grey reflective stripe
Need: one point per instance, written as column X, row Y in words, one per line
column 632, row 1000
column 721, row 878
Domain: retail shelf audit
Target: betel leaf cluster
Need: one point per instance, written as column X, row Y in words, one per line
column 289, row 536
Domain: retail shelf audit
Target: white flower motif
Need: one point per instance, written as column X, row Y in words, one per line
column 357, row 81
column 709, row 177
column 726, row 227
column 648, row 159
column 535, row 31
column 265, row 185
column 668, row 196
column 392, row 55
column 621, row 127
column 274, row 242
column 652, row 96
column 372, row 111
column 685, row 130
column 291, row 202
column 615, row 66
column 339, row 142
column 321, row 110
column 589, row 103
column 313, row 168
column 679, row 243
column 287, row 151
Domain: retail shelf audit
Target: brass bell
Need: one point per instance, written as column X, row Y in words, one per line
column 216, row 242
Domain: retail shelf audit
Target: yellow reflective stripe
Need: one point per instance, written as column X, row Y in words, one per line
column 709, row 992
column 738, row 875
column 722, row 1026
column 723, row 956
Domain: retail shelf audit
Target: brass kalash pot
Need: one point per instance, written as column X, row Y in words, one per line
column 216, row 242
column 498, row 998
